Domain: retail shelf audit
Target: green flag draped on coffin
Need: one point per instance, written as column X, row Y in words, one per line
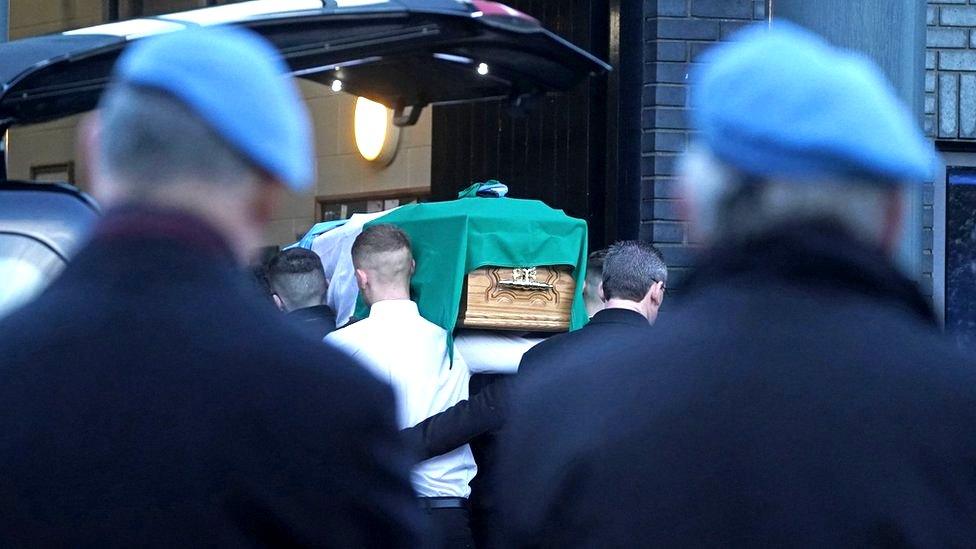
column 451, row 239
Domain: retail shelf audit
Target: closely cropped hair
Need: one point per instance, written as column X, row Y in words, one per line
column 150, row 139
column 594, row 265
column 298, row 278
column 295, row 261
column 379, row 239
column 385, row 250
column 630, row 268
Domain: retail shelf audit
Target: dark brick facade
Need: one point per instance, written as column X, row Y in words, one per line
column 675, row 32
column 950, row 92
column 950, row 62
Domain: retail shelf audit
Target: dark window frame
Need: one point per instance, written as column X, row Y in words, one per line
column 404, row 195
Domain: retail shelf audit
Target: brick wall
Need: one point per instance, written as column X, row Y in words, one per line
column 675, row 32
column 950, row 94
column 950, row 62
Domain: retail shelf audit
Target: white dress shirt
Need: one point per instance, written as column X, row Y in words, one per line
column 491, row 351
column 410, row 354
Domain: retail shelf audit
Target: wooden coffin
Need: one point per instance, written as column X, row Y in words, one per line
column 535, row 299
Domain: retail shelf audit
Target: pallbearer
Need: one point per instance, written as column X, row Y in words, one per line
column 512, row 269
column 412, row 355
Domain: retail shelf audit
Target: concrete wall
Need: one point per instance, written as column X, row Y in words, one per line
column 33, row 17
column 52, row 142
column 341, row 170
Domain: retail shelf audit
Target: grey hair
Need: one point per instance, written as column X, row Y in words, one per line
column 630, row 268
column 729, row 207
column 149, row 139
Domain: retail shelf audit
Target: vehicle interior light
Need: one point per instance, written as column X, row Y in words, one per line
column 482, row 69
column 337, row 85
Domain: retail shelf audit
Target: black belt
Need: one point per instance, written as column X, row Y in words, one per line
column 443, row 503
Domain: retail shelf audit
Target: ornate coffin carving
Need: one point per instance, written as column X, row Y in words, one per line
column 534, row 298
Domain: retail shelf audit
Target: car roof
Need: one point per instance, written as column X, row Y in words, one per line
column 59, row 216
column 403, row 53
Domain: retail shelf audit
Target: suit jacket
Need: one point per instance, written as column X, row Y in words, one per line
column 318, row 321
column 150, row 398
column 608, row 329
column 486, row 410
column 477, row 420
column 800, row 395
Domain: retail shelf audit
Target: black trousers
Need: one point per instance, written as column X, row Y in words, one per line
column 449, row 529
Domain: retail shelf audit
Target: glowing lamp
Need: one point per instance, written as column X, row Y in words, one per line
column 376, row 136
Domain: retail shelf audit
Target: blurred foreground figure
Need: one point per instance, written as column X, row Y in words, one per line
column 149, row 397
column 802, row 394
column 298, row 286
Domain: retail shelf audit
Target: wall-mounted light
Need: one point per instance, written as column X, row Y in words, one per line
column 376, row 136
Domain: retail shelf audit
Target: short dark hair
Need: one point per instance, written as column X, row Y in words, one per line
column 630, row 268
column 375, row 249
column 594, row 266
column 296, row 275
column 260, row 279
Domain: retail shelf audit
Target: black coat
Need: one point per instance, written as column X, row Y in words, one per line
column 150, row 398
column 477, row 419
column 318, row 321
column 801, row 395
column 607, row 330
column 486, row 409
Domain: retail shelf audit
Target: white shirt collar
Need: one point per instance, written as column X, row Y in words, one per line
column 394, row 307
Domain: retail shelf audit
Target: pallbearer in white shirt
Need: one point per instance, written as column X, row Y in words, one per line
column 411, row 354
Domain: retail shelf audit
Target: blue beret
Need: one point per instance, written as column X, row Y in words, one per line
column 236, row 82
column 781, row 102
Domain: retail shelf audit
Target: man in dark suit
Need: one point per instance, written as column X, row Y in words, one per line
column 801, row 394
column 630, row 286
column 298, row 287
column 474, row 419
column 632, row 289
column 150, row 397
